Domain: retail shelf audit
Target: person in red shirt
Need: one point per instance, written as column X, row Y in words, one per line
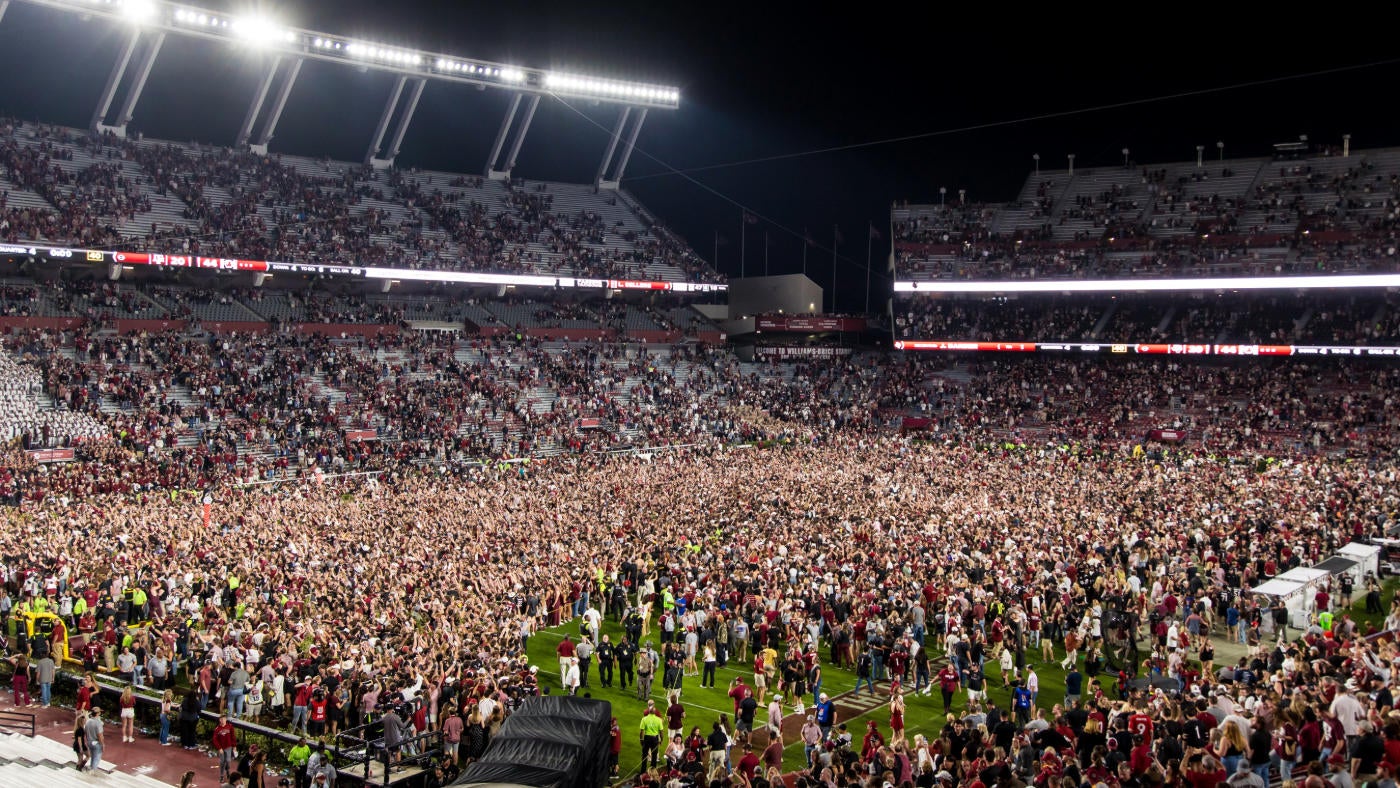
column 947, row 682
column 614, row 746
column 749, row 763
column 85, row 691
column 1140, row 724
column 316, row 713
column 1140, row 759
column 1207, row 773
column 224, row 740
column 737, row 692
column 565, row 650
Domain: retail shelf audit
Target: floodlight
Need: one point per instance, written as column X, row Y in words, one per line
column 139, row 11
column 513, row 75
column 258, row 30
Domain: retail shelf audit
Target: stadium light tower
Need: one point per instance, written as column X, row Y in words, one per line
column 1220, row 148
column 288, row 47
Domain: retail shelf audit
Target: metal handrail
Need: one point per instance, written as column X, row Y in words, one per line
column 374, row 750
column 18, row 722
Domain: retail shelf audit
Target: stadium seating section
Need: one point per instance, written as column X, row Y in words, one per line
column 1313, row 214
column 66, row 187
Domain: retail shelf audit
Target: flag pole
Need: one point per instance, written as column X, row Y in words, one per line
column 743, row 237
column 869, row 239
column 835, row 241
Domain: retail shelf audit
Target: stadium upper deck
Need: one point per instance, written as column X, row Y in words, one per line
column 1319, row 212
column 64, row 186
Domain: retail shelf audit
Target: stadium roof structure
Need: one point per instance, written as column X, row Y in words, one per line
column 152, row 20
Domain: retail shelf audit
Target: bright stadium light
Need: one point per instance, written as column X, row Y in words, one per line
column 592, row 87
column 259, row 30
column 139, row 11
column 269, row 33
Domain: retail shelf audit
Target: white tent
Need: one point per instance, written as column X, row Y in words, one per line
column 1294, row 595
column 1367, row 556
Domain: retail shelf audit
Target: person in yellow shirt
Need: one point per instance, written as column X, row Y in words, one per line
column 651, row 727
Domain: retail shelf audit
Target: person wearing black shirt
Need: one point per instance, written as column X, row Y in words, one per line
column 624, row 653
column 747, row 707
column 717, row 741
column 1368, row 754
column 605, row 655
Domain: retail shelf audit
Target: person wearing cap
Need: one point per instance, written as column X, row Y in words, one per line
column 825, row 711
column 775, row 715
column 1244, row 777
column 1348, row 709
column 812, row 736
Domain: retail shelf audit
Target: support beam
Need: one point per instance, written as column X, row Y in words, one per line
column 143, row 73
column 278, row 104
column 501, row 135
column 631, row 143
column 246, row 130
column 384, row 119
column 612, row 145
column 522, row 131
column 406, row 118
column 109, row 91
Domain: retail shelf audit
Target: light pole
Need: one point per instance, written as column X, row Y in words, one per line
column 1125, row 158
column 1071, row 164
column 1036, row 157
column 1220, row 147
column 1200, row 149
column 962, row 196
column 1346, row 145
column 942, row 195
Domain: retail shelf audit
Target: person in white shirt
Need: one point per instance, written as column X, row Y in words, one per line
column 571, row 678
column 1347, row 708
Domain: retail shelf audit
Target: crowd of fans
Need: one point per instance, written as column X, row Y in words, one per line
column 1324, row 215
column 861, row 551
column 1024, row 512
column 245, row 205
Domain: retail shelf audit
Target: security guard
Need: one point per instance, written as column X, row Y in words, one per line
column 605, row 656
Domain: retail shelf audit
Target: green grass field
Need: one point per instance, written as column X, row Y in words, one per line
column 703, row 706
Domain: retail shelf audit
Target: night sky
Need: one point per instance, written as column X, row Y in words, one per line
column 767, row 80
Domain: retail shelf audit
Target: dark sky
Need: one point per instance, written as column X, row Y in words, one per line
column 771, row 79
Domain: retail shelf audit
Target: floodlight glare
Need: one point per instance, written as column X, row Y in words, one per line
column 139, row 10
column 258, row 30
